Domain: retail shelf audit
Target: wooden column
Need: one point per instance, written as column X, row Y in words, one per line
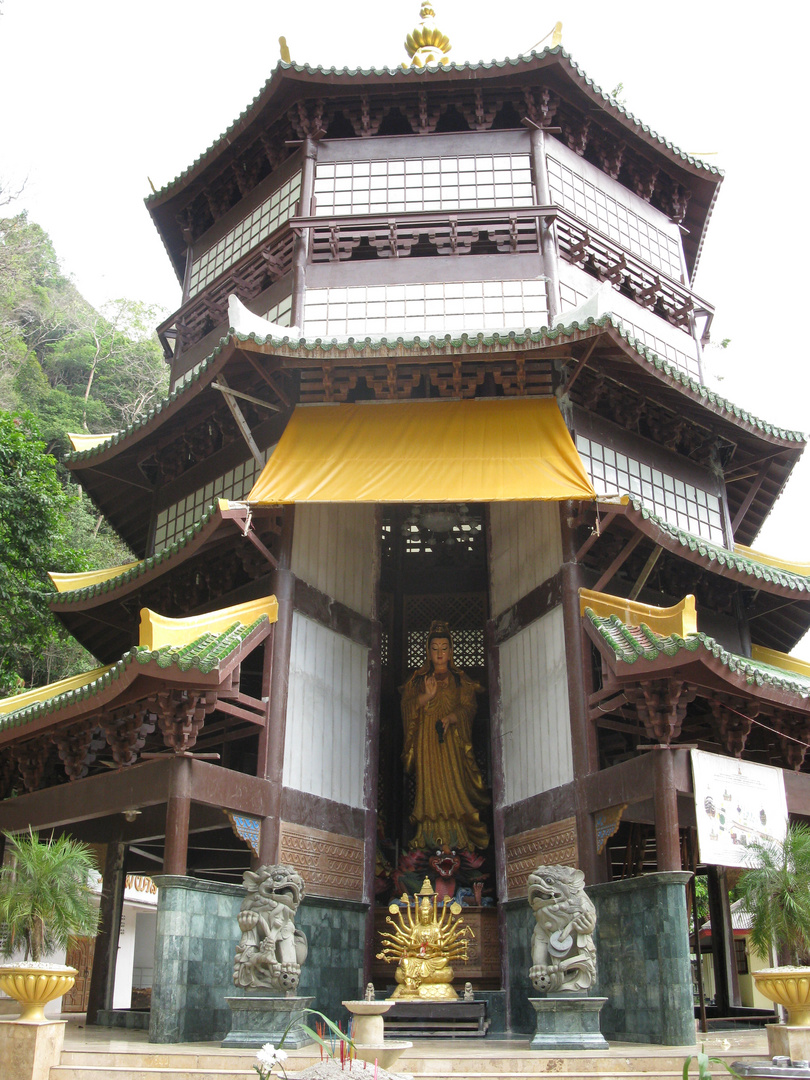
column 178, row 809
column 726, row 981
column 548, row 239
column 584, row 749
column 271, row 742
column 372, row 757
column 102, row 977
column 301, row 248
column 667, row 833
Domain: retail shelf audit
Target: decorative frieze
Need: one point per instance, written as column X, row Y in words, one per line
column 330, row 864
column 546, row 845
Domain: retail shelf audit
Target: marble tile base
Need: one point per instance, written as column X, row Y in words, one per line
column 568, row 1022
column 28, row 1051
column 258, row 1020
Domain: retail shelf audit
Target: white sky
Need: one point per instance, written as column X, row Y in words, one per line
column 98, row 95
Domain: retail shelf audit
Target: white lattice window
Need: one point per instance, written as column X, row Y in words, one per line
column 684, row 505
column 175, row 519
column 425, row 308
column 421, row 184
column 244, row 236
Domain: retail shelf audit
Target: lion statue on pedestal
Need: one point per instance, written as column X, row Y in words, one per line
column 271, row 950
column 563, row 953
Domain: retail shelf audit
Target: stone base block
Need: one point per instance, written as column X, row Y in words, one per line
column 28, row 1051
column 788, row 1041
column 568, row 1022
column 258, row 1020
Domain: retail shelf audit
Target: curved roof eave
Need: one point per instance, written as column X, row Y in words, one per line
column 557, row 56
column 468, row 343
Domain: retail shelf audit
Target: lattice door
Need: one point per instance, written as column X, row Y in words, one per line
column 466, row 615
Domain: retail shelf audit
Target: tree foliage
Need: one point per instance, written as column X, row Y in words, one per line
column 45, row 900
column 775, row 892
column 63, row 367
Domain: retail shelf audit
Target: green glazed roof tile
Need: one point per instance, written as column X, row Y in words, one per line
column 70, row 596
column 479, row 341
column 722, row 556
column 633, row 643
column 450, row 70
column 204, row 655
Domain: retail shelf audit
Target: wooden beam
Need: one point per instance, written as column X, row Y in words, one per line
column 595, row 535
column 225, row 389
column 618, row 562
column 649, row 566
column 572, row 378
column 241, row 423
column 749, row 498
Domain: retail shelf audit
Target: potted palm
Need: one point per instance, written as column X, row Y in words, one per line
column 775, row 892
column 45, row 902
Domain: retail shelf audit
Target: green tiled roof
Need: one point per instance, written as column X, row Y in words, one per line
column 139, row 569
column 630, row 644
column 722, row 556
column 477, row 342
column 451, row 69
column 204, row 654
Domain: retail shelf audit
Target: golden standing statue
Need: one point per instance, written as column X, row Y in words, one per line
column 438, row 706
column 424, row 946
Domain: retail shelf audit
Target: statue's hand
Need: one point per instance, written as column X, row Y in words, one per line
column 431, row 686
column 247, row 920
column 449, row 720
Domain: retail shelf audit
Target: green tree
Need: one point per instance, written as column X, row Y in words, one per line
column 775, row 892
column 45, row 900
column 34, row 509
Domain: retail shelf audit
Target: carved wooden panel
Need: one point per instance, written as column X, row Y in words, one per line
column 330, row 864
column 547, row 845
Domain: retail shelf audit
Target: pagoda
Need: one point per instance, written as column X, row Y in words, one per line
column 438, row 357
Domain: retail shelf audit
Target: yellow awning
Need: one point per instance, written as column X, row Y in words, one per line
column 482, row 450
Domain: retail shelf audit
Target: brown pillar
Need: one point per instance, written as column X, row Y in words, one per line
column 178, row 809
column 301, row 248
column 667, row 833
column 584, row 748
column 271, row 744
column 548, row 240
column 726, row 980
column 102, row 977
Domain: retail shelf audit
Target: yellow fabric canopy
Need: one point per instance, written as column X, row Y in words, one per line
column 481, row 450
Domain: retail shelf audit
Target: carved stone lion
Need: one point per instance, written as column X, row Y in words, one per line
column 271, row 950
column 563, row 953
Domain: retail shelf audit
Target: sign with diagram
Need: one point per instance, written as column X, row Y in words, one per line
column 737, row 803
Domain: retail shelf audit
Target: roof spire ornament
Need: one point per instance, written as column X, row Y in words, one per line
column 426, row 44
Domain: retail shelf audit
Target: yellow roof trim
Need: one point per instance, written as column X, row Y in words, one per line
column 72, row 582
column 780, row 660
column 800, row 568
column 680, row 619
column 157, row 631
column 54, row 689
column 477, row 450
column 84, row 441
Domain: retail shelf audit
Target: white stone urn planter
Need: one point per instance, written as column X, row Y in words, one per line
column 34, row 985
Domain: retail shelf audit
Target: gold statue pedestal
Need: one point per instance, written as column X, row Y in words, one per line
column 368, row 1033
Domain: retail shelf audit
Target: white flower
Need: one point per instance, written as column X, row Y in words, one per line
column 268, row 1055
column 281, row 1055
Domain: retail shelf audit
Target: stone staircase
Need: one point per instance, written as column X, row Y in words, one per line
column 494, row 1062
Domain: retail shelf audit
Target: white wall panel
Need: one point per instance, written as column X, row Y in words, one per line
column 526, row 549
column 333, row 549
column 535, row 721
column 325, row 745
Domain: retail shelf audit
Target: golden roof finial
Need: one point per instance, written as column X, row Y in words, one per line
column 283, row 48
column 426, row 44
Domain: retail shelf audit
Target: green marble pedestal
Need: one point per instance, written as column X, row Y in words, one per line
column 568, row 1022
column 258, row 1020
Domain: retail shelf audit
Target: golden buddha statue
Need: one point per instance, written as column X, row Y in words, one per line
column 438, row 706
column 424, row 946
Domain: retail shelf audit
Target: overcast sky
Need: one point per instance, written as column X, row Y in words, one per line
column 100, row 96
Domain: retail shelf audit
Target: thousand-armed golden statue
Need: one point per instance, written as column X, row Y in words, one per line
column 424, row 946
column 438, row 706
